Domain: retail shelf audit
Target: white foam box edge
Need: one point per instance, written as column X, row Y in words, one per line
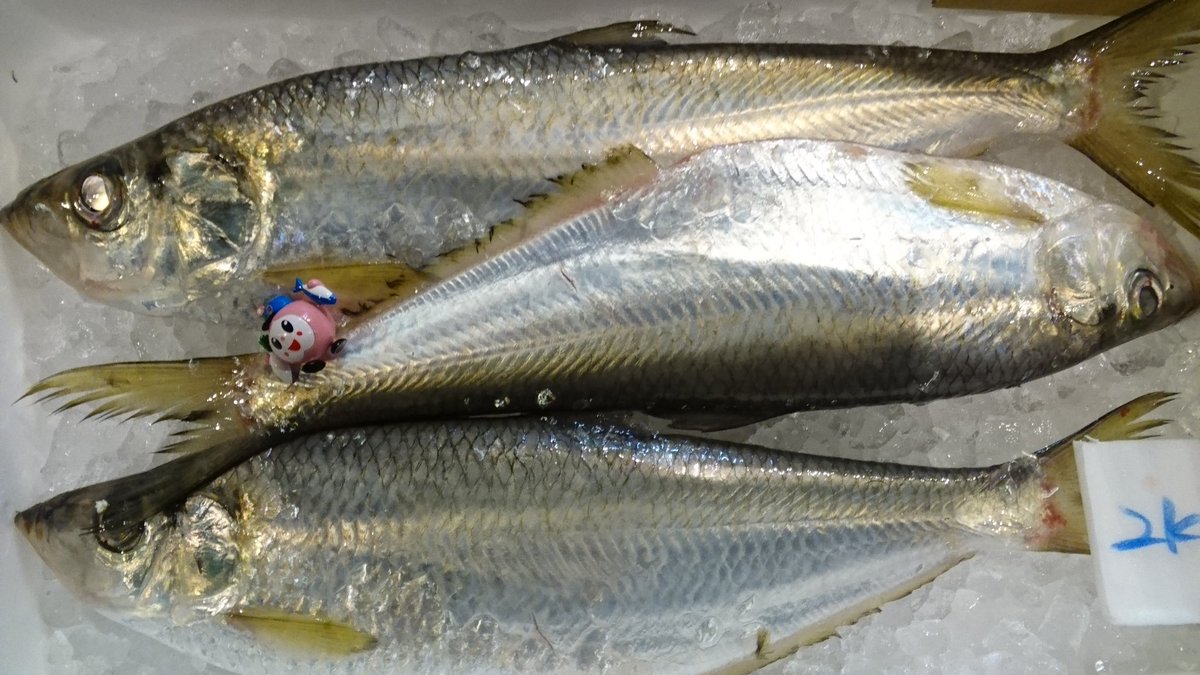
column 1139, row 498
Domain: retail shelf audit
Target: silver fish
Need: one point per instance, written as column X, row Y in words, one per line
column 527, row 545
column 746, row 282
column 400, row 160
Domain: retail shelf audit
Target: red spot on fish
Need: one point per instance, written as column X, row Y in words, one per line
column 295, row 346
column 1052, row 518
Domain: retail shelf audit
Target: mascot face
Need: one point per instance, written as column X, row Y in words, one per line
column 291, row 337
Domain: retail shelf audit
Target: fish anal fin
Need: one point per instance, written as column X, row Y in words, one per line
column 299, row 633
column 622, row 34
column 767, row 651
column 358, row 287
column 1063, row 527
column 957, row 188
column 703, row 421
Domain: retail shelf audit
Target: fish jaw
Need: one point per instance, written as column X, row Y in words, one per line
column 36, row 220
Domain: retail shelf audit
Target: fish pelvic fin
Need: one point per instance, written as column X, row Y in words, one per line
column 202, row 393
column 1063, row 527
column 1122, row 132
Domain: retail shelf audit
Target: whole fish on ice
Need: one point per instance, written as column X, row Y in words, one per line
column 400, row 161
column 527, row 545
column 743, row 283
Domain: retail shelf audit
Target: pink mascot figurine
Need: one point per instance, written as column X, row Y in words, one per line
column 301, row 330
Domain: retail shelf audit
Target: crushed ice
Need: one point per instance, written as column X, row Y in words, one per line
column 998, row 613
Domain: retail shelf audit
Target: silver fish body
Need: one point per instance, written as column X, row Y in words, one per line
column 403, row 160
column 745, row 282
column 531, row 545
column 773, row 276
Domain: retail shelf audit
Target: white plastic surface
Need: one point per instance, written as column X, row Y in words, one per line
column 1142, row 500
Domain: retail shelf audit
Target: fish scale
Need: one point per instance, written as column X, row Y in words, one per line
column 832, row 275
column 529, row 544
column 314, row 164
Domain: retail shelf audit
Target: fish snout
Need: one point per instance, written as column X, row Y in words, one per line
column 30, row 525
column 18, row 227
column 1181, row 268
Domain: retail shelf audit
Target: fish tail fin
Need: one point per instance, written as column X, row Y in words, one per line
column 1123, row 132
column 1063, row 527
column 202, row 393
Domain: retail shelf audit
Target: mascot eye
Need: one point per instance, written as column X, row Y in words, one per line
column 98, row 202
column 1145, row 294
column 276, row 343
column 123, row 540
column 287, row 325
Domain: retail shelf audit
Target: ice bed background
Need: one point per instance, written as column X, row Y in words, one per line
column 77, row 78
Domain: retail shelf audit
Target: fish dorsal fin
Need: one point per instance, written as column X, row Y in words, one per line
column 623, row 34
column 625, row 169
column 957, row 188
column 707, row 421
column 301, row 633
column 358, row 287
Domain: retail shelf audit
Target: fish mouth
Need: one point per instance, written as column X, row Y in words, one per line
column 1181, row 267
column 17, row 227
column 31, row 526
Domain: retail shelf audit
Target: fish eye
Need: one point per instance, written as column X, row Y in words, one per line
column 123, row 540
column 287, row 325
column 1145, row 294
column 98, row 202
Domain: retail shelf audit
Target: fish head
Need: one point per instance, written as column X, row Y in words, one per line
column 1115, row 274
column 145, row 227
column 173, row 564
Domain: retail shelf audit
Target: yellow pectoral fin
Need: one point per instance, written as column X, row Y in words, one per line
column 358, row 287
column 299, row 633
column 962, row 189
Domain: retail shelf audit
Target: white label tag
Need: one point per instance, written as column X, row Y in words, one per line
column 1142, row 500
